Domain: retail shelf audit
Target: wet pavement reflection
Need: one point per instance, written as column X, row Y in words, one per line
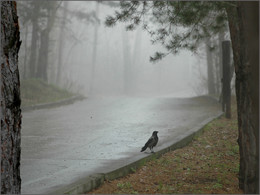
column 96, row 135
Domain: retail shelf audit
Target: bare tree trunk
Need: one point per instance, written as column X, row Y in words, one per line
column 244, row 31
column 138, row 42
column 127, row 63
column 248, row 17
column 226, row 104
column 43, row 55
column 25, row 53
column 94, row 53
column 136, row 58
column 218, row 63
column 43, row 59
column 220, row 68
column 10, row 100
column 35, row 29
column 61, row 41
column 211, row 84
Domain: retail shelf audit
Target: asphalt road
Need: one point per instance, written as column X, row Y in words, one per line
column 97, row 135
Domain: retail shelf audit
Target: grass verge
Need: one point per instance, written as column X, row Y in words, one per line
column 36, row 91
column 209, row 164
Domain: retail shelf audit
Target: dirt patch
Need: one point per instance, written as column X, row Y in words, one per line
column 209, row 164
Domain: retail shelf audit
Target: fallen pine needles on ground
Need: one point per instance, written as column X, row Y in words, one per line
column 209, row 164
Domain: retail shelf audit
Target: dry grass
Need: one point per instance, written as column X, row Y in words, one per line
column 209, row 164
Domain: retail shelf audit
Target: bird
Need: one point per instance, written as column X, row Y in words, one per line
column 152, row 141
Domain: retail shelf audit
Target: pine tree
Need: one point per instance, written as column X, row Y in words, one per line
column 184, row 25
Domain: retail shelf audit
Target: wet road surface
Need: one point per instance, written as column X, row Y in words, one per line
column 98, row 135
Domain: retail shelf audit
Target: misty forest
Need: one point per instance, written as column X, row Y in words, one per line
column 87, row 85
column 68, row 44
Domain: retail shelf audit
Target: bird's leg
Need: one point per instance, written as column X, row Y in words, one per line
column 152, row 150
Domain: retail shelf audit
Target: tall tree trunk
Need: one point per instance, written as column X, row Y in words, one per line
column 218, row 62
column 127, row 63
column 211, row 84
column 61, row 41
column 43, row 55
column 226, row 104
column 44, row 44
column 25, row 53
column 10, row 100
column 221, row 38
column 137, row 46
column 244, row 31
column 35, row 29
column 94, row 53
column 136, row 58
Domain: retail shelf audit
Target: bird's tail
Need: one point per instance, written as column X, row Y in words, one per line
column 144, row 148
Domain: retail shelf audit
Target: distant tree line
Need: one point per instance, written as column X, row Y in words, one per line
column 45, row 24
column 181, row 25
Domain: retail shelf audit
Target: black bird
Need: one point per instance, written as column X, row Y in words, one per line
column 152, row 141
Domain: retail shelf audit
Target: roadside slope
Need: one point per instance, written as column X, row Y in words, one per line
column 37, row 94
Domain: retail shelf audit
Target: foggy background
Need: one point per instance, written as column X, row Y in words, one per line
column 66, row 44
column 86, row 57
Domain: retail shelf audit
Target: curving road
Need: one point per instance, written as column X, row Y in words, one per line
column 97, row 135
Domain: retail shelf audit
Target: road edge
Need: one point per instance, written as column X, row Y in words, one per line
column 93, row 181
column 53, row 104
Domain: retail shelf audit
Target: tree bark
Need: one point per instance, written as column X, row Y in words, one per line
column 10, row 100
column 244, row 31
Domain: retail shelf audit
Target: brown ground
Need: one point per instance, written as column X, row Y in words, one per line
column 209, row 164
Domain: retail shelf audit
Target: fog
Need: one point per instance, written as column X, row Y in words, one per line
column 100, row 60
column 64, row 45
